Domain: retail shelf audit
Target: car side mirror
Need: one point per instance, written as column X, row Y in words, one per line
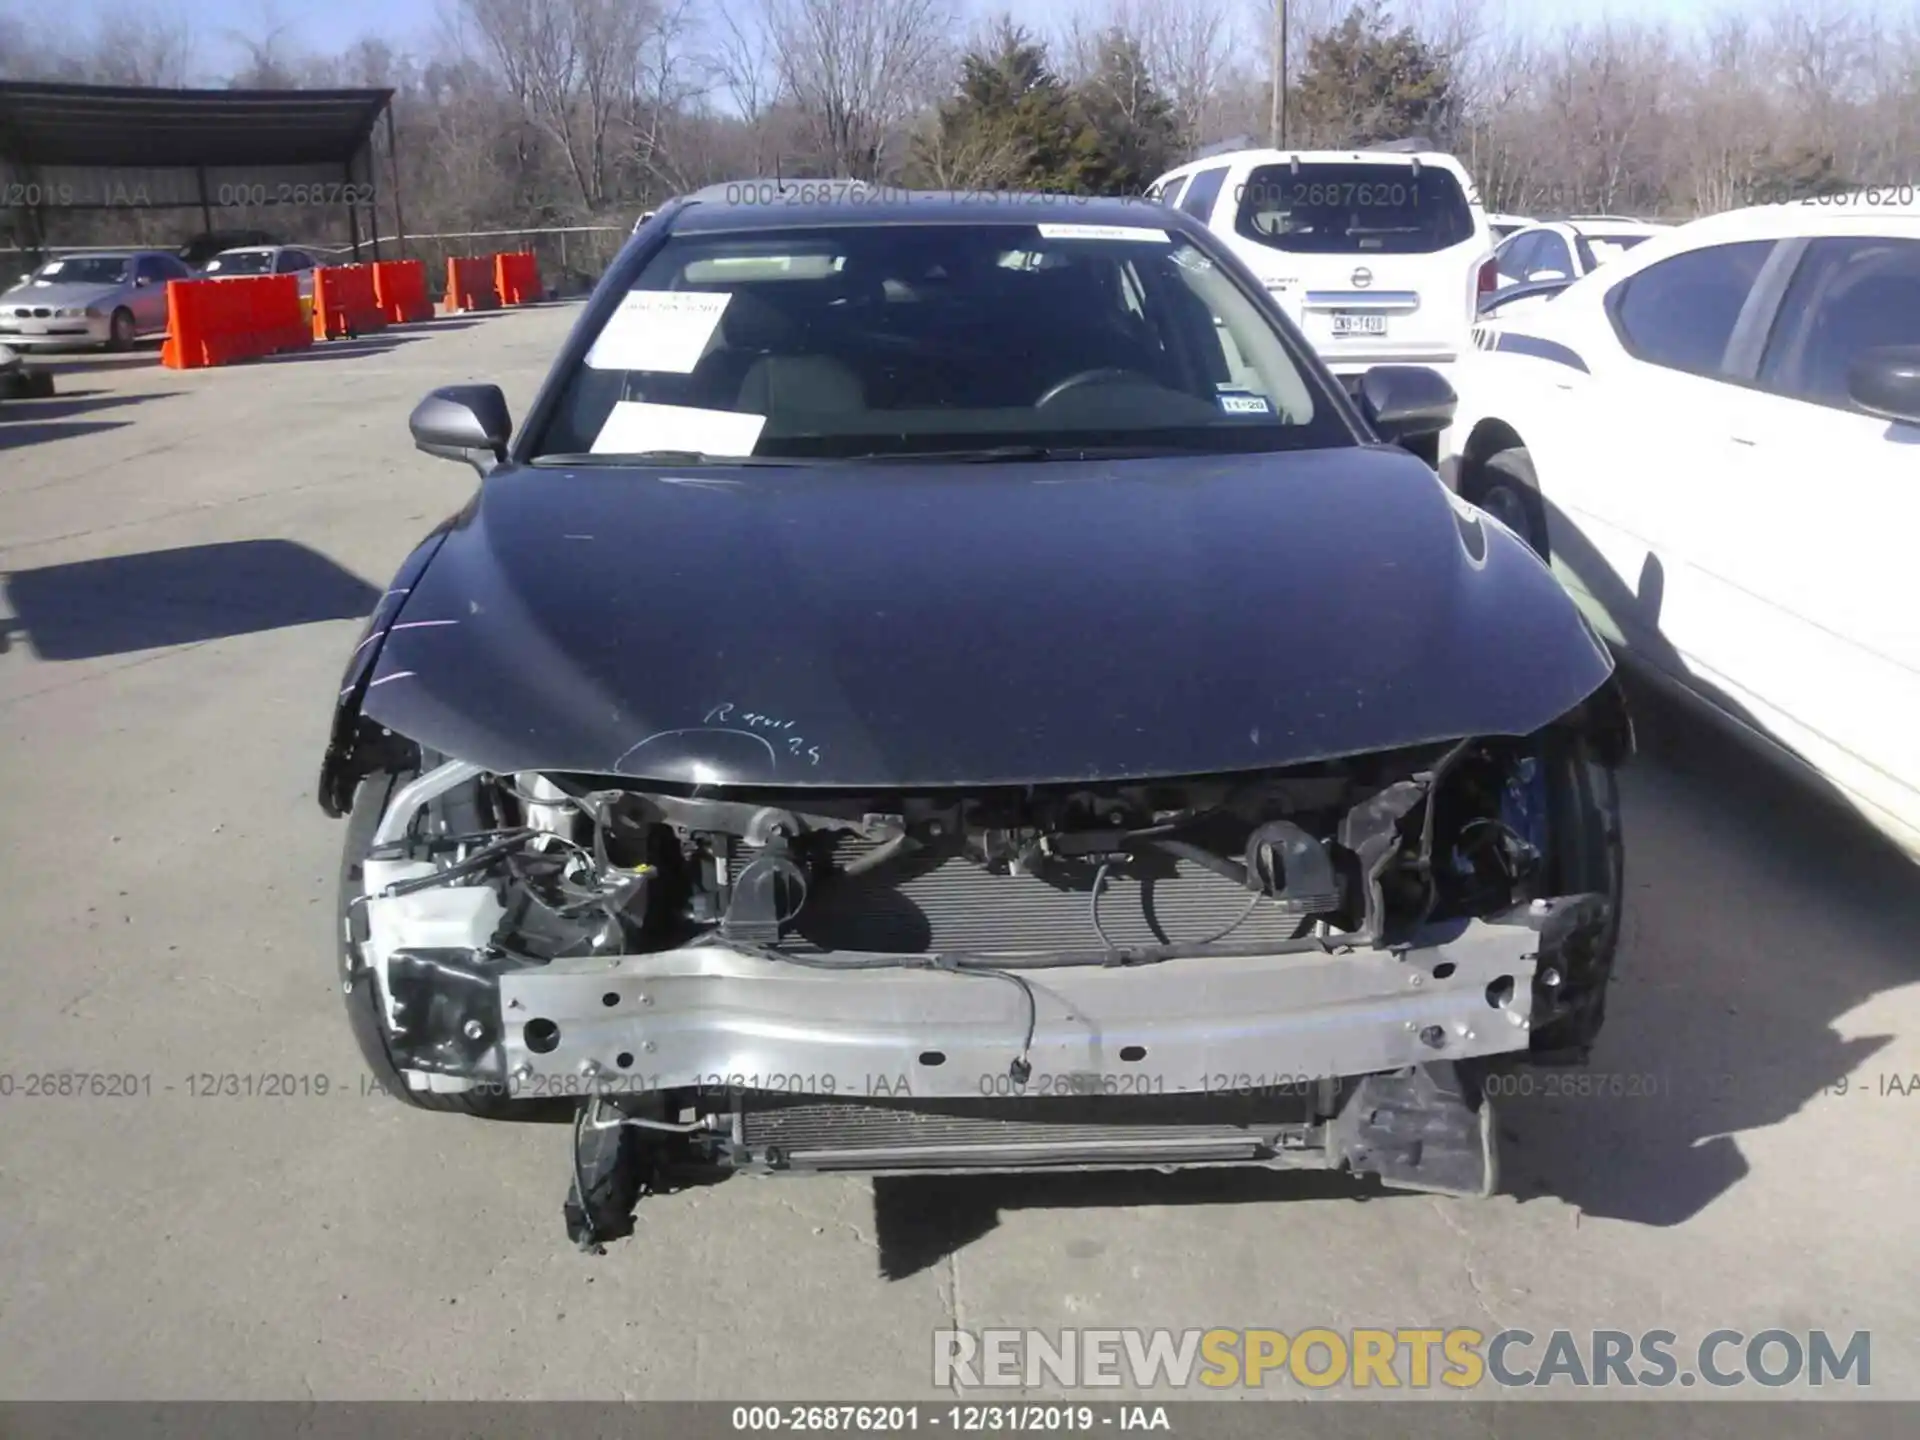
column 140, row 282
column 1886, row 382
column 463, row 422
column 1405, row 402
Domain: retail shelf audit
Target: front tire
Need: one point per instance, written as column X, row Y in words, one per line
column 1508, row 490
column 120, row 330
column 358, row 988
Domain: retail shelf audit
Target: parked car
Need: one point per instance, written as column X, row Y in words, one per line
column 1714, row 440
column 1378, row 255
column 976, row 695
column 202, row 248
column 265, row 260
column 107, row 297
column 1564, row 250
column 21, row 381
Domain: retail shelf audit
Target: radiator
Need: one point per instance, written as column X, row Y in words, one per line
column 914, row 905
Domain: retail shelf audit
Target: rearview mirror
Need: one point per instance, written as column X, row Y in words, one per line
column 1886, row 382
column 1405, row 402
column 463, row 422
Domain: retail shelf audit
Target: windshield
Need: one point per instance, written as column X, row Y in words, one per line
column 241, row 262
column 1354, row 209
column 937, row 340
column 85, row 270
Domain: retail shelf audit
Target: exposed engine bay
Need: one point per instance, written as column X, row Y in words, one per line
column 1305, row 966
column 1349, row 850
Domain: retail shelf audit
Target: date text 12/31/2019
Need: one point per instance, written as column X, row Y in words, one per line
column 1042, row 1419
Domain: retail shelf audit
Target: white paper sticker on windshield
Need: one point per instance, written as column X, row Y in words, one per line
column 635, row 426
column 1103, row 232
column 660, row 330
column 53, row 267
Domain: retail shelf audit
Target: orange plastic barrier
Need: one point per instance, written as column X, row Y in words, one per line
column 215, row 322
column 400, row 288
column 344, row 302
column 516, row 276
column 470, row 285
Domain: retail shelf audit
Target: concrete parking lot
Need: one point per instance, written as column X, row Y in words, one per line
column 187, row 559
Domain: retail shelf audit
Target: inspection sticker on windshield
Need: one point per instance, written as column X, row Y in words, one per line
column 635, row 427
column 660, row 330
column 1244, row 402
column 1103, row 232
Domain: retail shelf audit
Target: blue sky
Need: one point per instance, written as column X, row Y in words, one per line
column 315, row 25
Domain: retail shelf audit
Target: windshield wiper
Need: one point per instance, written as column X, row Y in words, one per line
column 681, row 458
column 1015, row 454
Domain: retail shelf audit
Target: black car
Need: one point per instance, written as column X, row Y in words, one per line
column 944, row 684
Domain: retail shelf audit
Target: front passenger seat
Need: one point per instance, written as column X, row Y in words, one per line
column 783, row 385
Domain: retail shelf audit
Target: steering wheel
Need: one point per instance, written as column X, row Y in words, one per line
column 1103, row 375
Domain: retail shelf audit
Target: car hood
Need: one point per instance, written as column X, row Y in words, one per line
column 58, row 295
column 907, row 625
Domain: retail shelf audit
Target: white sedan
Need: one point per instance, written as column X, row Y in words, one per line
column 265, row 260
column 1715, row 439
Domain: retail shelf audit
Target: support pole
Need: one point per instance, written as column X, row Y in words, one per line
column 393, row 163
column 353, row 215
column 1277, row 65
column 206, row 211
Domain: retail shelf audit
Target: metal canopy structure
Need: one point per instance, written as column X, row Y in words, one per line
column 70, row 147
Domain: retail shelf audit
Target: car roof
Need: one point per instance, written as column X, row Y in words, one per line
column 892, row 206
column 1267, row 155
column 253, row 250
column 1793, row 217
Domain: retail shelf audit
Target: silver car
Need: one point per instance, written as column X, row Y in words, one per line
column 108, row 297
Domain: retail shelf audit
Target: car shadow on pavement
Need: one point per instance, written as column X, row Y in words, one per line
column 19, row 435
column 442, row 322
column 18, row 414
column 376, row 344
column 144, row 355
column 920, row 1220
column 125, row 603
column 1760, row 910
column 1758, row 915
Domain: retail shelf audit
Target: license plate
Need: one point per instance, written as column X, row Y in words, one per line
column 1359, row 324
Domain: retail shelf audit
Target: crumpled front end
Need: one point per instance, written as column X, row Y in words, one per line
column 1309, row 965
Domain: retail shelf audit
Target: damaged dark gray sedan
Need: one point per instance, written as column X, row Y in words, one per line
column 948, row 685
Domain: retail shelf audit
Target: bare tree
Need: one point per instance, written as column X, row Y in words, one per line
column 858, row 71
column 1188, row 44
column 669, row 81
column 274, row 60
column 573, row 65
column 141, row 47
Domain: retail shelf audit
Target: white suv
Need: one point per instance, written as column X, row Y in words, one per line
column 1380, row 256
column 1715, row 439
